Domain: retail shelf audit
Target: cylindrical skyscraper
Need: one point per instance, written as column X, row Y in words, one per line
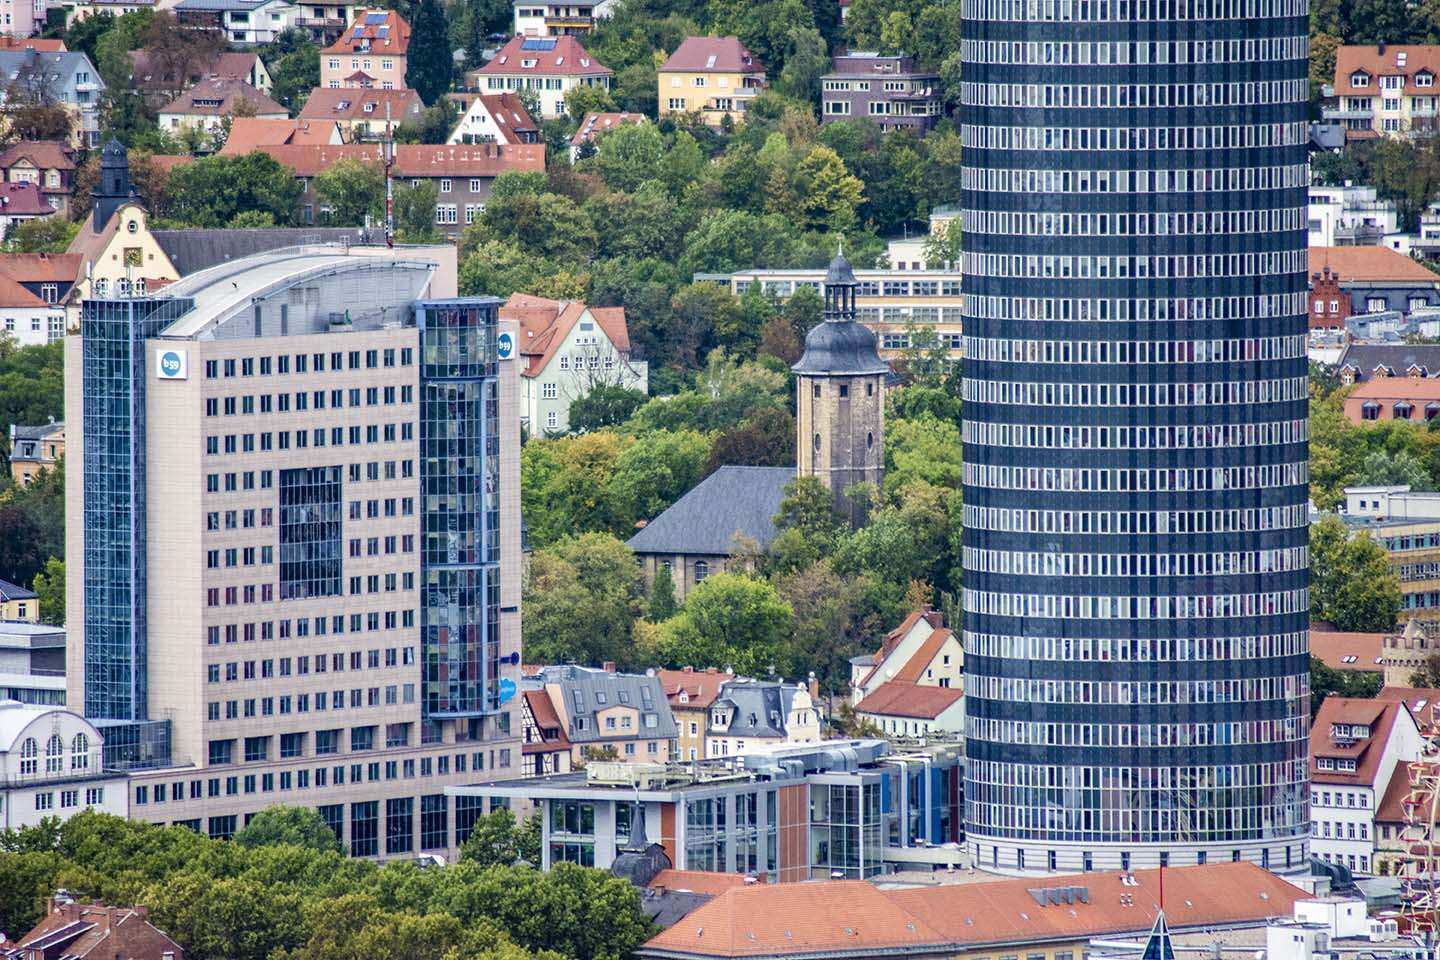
column 1135, row 546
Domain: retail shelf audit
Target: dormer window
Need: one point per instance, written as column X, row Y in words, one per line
column 528, row 63
column 1424, row 79
column 584, row 62
column 1359, row 79
column 369, row 108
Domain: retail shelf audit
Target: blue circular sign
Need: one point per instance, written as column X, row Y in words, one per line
column 507, row 689
column 504, row 346
column 170, row 363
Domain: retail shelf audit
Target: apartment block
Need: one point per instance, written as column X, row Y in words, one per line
column 892, row 303
column 1386, row 89
column 294, row 493
column 889, row 90
column 1407, row 524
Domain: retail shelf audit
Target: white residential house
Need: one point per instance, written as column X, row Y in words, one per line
column 549, row 66
column 495, row 118
column 51, row 765
column 1355, row 746
column 568, row 349
column 749, row 714
column 921, row 651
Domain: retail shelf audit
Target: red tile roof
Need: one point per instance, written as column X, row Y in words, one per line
column 23, row 199
column 232, row 66
column 914, row 668
column 850, row 917
column 696, row 881
column 564, row 57
column 594, row 124
column 247, row 133
column 1378, row 715
column 544, row 325
column 509, row 114
column 38, row 44
column 351, row 103
column 378, row 32
column 415, row 160
column 712, row 55
column 169, row 161
column 1391, row 808
column 14, row 295
column 41, row 267
column 893, row 638
column 45, row 154
column 79, row 931
column 1370, row 265
column 701, row 686
column 1390, row 60
column 218, row 98
column 1396, row 388
column 551, row 730
column 1420, row 701
column 1340, row 650
column 919, row 701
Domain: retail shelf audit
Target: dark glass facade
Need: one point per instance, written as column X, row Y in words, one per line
column 1135, row 547
column 459, row 507
column 310, row 536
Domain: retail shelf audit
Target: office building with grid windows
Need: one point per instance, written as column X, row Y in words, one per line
column 1135, row 546
column 293, row 524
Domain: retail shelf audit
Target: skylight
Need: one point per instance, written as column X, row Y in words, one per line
column 710, row 62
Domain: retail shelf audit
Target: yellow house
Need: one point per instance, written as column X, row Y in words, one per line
column 713, row 77
column 34, row 450
column 121, row 258
column 18, row 603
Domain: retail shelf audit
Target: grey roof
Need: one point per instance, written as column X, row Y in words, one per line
column 196, row 5
column 20, row 431
column 760, row 707
column 193, row 250
column 731, row 501
column 840, row 347
column 587, row 690
column 63, row 66
column 1327, row 136
column 1397, row 356
column 13, row 591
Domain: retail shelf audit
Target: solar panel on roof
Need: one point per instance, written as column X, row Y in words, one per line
column 538, row 43
column 374, row 18
column 382, row 32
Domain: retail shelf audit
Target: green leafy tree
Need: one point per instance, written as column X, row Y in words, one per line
column 352, row 191
column 581, row 600
column 1326, row 681
column 495, row 841
column 296, row 826
column 41, row 235
column 50, row 589
column 925, row 450
column 1384, row 468
column 605, row 405
column 835, row 618
column 27, row 879
column 1351, row 581
column 430, row 67
column 293, row 62
column 629, row 155
column 210, row 192
column 806, row 61
column 415, row 211
column 765, row 439
column 728, row 619
column 662, row 596
column 805, row 310
column 583, row 99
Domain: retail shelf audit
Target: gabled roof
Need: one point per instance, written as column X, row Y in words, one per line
column 696, row 881
column 732, row 502
column 219, row 97
column 10, row 591
column 1370, row 265
column 544, row 324
column 1384, row 61
column 39, row 44
column 547, row 723
column 249, row 133
column 1341, row 650
column 1422, row 702
column 509, row 115
column 80, row 931
column 552, row 56
column 227, row 65
column 712, row 55
column 14, row 295
column 44, row 154
column 415, row 160
column 1365, row 357
column 23, row 199
column 701, row 687
column 377, row 32
column 916, row 701
column 352, row 103
column 1380, row 716
column 914, row 668
column 593, row 125
column 41, row 267
column 1391, row 808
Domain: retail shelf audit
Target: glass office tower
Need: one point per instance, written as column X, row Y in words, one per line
column 1135, row 547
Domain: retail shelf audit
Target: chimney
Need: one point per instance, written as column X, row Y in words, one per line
column 814, row 687
column 608, row 666
column 688, row 670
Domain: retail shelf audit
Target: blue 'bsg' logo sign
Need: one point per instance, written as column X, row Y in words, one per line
column 504, row 346
column 507, row 689
column 171, row 365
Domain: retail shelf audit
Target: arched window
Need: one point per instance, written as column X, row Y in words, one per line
column 80, row 752
column 54, row 754
column 702, row 570
column 29, row 757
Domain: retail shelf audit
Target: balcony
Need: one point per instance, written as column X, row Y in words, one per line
column 1336, row 113
column 574, row 22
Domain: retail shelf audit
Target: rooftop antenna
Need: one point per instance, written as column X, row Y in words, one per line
column 389, row 151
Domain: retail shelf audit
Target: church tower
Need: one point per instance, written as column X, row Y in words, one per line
column 840, row 397
column 114, row 187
